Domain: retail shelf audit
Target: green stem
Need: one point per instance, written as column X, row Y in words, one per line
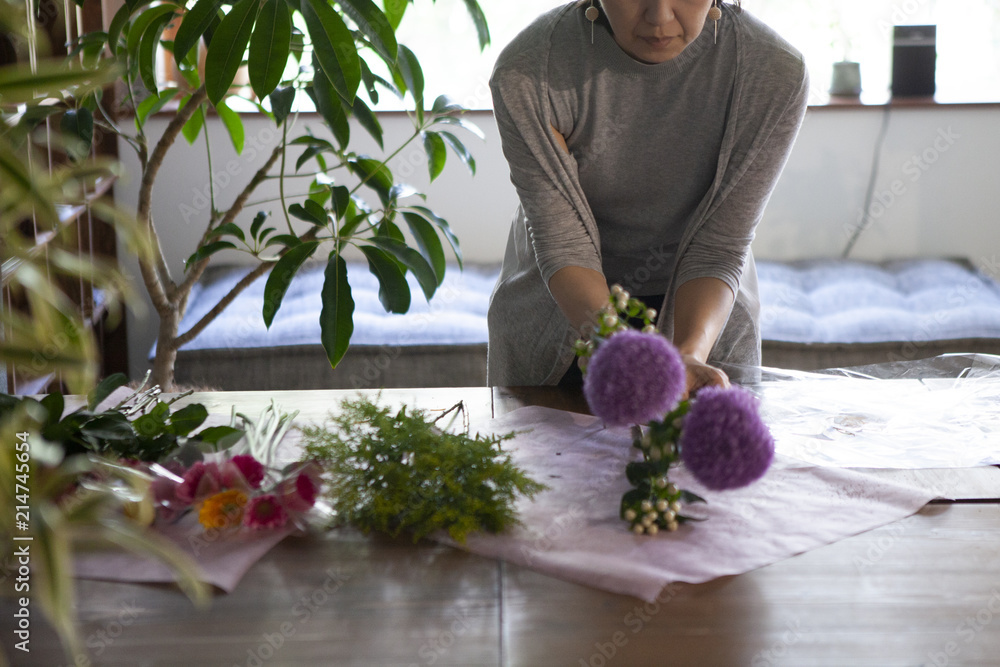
column 386, row 160
column 281, row 175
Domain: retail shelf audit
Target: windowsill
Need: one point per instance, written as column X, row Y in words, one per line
column 882, row 99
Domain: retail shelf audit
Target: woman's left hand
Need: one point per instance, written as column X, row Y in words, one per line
column 700, row 374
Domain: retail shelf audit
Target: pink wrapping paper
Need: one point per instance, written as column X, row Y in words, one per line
column 222, row 558
column 573, row 532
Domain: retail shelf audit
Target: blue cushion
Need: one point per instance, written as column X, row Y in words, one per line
column 842, row 301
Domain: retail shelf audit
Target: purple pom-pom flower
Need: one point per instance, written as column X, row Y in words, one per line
column 634, row 378
column 724, row 442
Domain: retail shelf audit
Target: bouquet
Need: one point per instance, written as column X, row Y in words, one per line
column 635, row 377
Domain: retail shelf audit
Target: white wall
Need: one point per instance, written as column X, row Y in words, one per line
column 937, row 190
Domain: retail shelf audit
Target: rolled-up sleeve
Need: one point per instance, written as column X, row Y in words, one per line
column 719, row 248
column 544, row 176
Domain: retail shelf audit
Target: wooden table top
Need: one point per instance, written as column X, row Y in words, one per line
column 921, row 591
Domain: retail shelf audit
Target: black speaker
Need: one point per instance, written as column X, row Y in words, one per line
column 914, row 55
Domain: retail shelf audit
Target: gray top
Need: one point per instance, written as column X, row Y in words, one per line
column 669, row 169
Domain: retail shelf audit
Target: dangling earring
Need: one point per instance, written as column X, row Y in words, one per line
column 592, row 13
column 715, row 14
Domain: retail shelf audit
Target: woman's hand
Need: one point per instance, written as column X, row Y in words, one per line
column 700, row 374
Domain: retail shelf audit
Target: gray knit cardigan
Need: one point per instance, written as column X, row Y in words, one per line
column 530, row 341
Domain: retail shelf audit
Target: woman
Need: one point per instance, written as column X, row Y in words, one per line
column 643, row 146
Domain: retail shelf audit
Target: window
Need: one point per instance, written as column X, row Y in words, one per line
column 968, row 42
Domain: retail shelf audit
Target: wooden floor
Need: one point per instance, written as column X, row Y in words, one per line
column 921, row 591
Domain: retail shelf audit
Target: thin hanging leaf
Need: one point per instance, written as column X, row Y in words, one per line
column 269, row 47
column 328, row 104
column 196, row 21
column 229, row 228
column 192, row 128
column 309, row 211
column 333, row 45
column 258, row 222
column 229, row 44
column 437, row 154
column 428, row 242
column 412, row 77
column 462, row 123
column 394, row 11
column 207, row 250
column 460, row 150
column 443, row 225
column 281, row 277
column 281, row 103
column 78, row 126
column 369, row 79
column 367, row 120
column 375, row 175
column 336, row 318
column 393, row 291
column 413, row 260
column 373, row 24
column 479, row 19
column 233, row 123
column 152, row 104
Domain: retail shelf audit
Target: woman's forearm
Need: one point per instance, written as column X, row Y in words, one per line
column 701, row 308
column 580, row 293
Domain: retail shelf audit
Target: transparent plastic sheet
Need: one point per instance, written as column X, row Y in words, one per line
column 942, row 412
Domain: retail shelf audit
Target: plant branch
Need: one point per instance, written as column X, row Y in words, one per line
column 224, row 302
column 199, row 268
column 157, row 278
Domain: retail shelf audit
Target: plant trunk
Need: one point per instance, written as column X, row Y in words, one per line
column 166, row 350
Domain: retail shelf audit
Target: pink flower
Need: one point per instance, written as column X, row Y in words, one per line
column 200, row 481
column 248, row 469
column 165, row 492
column 264, row 512
column 299, row 494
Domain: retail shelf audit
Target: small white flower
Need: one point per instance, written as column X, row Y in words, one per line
column 648, row 329
column 622, row 302
column 653, row 530
column 610, row 320
column 655, row 454
column 630, row 515
column 646, row 506
column 670, row 515
column 638, row 529
column 651, row 314
column 662, row 505
column 672, row 526
column 616, row 290
column 675, row 506
column 661, row 483
column 672, row 489
column 647, row 522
